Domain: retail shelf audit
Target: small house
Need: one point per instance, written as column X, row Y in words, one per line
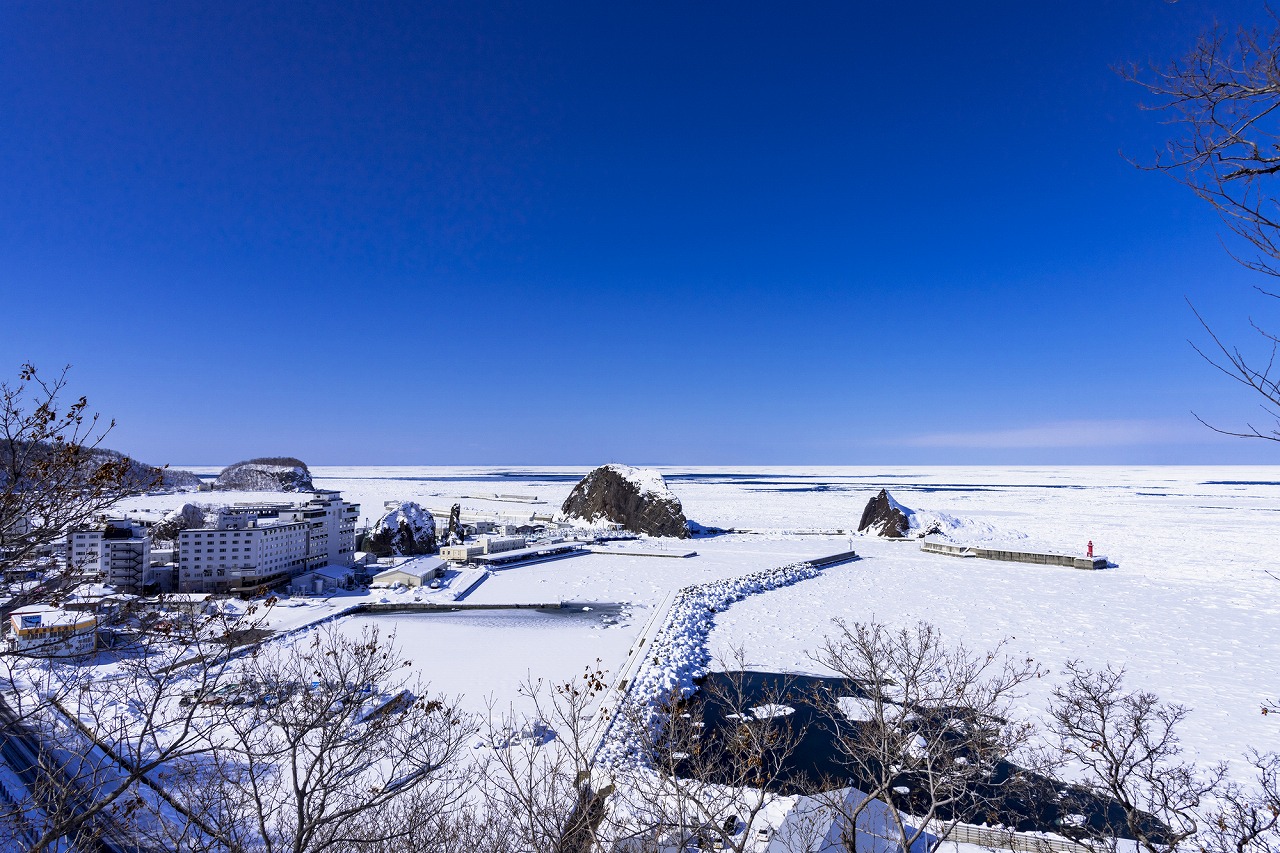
column 322, row 580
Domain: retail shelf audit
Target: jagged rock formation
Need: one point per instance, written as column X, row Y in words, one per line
column 186, row 517
column 266, row 474
column 406, row 529
column 636, row 498
column 885, row 517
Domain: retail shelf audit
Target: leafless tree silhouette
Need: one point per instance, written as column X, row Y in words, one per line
column 1221, row 101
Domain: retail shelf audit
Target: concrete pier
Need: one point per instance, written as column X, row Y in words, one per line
column 951, row 549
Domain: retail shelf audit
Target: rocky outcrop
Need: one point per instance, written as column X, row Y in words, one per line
column 635, row 498
column 405, row 529
column 186, row 517
column 266, row 474
column 885, row 517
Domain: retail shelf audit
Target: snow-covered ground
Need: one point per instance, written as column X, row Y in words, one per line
column 1191, row 609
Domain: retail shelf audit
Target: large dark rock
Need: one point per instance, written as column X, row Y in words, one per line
column 405, row 529
column 885, row 517
column 635, row 498
column 266, row 474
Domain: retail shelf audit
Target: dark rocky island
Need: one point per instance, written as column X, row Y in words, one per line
column 635, row 498
column 885, row 517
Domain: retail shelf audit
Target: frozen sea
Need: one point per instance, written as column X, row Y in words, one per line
column 1191, row 608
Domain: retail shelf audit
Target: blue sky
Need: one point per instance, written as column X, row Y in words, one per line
column 571, row 233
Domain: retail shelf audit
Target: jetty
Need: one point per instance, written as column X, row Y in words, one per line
column 952, row 549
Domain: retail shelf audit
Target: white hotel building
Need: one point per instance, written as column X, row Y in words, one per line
column 256, row 547
column 120, row 551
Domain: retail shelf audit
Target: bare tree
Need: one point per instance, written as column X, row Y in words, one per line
column 334, row 739
column 925, row 733
column 691, row 783
column 1126, row 743
column 100, row 750
column 54, row 474
column 1247, row 819
column 540, row 786
column 1221, row 99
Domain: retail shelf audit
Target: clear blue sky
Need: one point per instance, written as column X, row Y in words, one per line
column 566, row 234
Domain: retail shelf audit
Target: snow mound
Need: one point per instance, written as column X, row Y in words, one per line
column 885, row 516
column 965, row 531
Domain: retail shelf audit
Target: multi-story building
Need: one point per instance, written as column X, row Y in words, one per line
column 119, row 551
column 241, row 555
column 41, row 630
column 331, row 525
column 257, row 547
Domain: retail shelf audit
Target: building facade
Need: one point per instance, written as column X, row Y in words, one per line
column 119, row 551
column 331, row 525
column 466, row 551
column 45, row 631
column 242, row 555
column 257, row 547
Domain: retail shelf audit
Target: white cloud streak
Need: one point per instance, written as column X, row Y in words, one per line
column 1084, row 433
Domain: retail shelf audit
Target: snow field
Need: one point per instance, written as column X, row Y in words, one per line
column 1206, row 644
column 1192, row 611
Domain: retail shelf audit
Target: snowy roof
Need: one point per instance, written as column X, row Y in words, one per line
column 517, row 554
column 423, row 562
column 416, row 566
column 108, row 595
column 332, row 572
column 178, row 598
column 49, row 616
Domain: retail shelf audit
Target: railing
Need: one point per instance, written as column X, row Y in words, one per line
column 17, row 811
column 1007, row 839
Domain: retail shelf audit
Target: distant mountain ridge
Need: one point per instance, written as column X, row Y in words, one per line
column 145, row 476
column 138, row 475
